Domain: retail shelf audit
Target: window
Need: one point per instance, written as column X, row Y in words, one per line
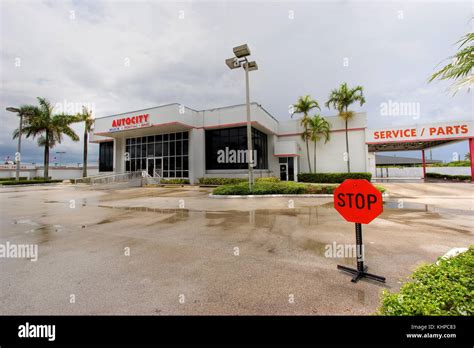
column 172, row 148
column 227, row 148
column 106, row 156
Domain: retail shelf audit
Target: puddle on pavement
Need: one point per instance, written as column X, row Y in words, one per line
column 402, row 207
column 421, row 207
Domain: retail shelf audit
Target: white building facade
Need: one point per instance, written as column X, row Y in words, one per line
column 174, row 141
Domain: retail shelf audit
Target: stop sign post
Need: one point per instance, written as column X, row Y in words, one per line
column 360, row 202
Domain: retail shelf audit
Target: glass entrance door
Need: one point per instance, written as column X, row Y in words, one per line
column 154, row 166
column 283, row 172
column 150, row 166
column 158, row 167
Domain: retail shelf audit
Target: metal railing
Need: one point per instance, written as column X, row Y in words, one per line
column 131, row 177
column 152, row 180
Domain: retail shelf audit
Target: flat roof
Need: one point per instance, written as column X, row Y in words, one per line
column 210, row 109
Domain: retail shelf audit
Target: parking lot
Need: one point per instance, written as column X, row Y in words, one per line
column 178, row 251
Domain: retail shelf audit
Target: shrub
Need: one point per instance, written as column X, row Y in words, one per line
column 275, row 188
column 444, row 289
column 261, row 188
column 11, row 179
column 267, row 179
column 174, row 181
column 28, row 182
column 332, row 177
column 448, row 177
column 233, row 181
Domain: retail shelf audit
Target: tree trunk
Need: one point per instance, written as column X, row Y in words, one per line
column 307, row 150
column 347, row 150
column 314, row 155
column 46, row 158
column 84, row 162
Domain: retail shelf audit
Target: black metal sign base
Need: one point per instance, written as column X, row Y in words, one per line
column 361, row 270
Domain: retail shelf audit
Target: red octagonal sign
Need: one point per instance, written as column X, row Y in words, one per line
column 358, row 201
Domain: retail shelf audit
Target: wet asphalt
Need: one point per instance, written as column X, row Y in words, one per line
column 177, row 251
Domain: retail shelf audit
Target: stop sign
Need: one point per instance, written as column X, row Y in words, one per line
column 358, row 201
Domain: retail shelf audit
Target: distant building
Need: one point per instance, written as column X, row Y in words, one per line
column 381, row 160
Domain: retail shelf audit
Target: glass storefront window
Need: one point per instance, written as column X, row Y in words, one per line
column 227, row 148
column 171, row 148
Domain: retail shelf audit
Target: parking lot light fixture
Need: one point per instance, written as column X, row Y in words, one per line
column 240, row 61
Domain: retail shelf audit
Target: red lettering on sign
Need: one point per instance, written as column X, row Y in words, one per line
column 464, row 129
column 130, row 120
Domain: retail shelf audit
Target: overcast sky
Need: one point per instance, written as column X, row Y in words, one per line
column 120, row 56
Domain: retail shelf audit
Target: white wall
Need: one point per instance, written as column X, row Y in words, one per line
column 196, row 155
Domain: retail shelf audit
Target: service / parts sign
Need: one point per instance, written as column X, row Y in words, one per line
column 425, row 132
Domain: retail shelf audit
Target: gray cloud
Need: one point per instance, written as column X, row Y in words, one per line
column 77, row 50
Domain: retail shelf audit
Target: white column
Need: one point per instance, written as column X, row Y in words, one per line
column 295, row 167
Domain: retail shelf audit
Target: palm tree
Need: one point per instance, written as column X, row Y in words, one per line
column 48, row 127
column 341, row 99
column 460, row 69
column 85, row 117
column 303, row 106
column 319, row 128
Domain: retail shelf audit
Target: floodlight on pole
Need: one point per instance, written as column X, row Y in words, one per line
column 252, row 66
column 242, row 51
column 232, row 63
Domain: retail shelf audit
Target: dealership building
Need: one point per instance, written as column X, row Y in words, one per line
column 175, row 141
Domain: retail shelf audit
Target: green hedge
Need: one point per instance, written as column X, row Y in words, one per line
column 275, row 188
column 331, row 177
column 444, row 289
column 11, row 179
column 231, row 181
column 28, row 182
column 174, row 181
column 448, row 177
column 261, row 188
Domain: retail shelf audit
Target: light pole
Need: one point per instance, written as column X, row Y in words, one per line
column 240, row 61
column 18, row 152
column 60, row 153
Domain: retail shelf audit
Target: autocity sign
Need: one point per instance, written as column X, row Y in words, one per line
column 130, row 122
column 425, row 132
